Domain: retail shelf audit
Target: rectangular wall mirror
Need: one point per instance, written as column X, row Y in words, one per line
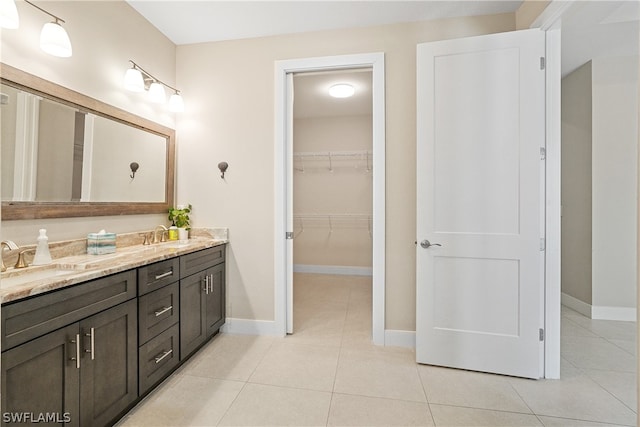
column 64, row 154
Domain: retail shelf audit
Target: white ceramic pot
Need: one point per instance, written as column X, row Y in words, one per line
column 183, row 235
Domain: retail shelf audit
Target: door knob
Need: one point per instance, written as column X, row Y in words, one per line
column 426, row 244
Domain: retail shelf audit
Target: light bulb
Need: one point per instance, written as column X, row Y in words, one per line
column 133, row 80
column 55, row 41
column 9, row 14
column 341, row 90
column 176, row 103
column 156, row 93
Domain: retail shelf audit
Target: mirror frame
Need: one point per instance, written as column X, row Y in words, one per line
column 34, row 210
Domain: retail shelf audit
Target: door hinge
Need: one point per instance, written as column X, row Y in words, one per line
column 543, row 153
column 288, row 235
column 542, row 244
column 541, row 334
column 542, row 63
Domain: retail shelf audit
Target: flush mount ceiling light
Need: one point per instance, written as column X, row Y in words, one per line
column 53, row 39
column 136, row 79
column 341, row 90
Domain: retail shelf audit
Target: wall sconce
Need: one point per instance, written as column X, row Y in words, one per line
column 53, row 38
column 223, row 166
column 136, row 79
column 134, row 168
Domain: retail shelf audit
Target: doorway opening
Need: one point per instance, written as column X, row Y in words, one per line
column 287, row 226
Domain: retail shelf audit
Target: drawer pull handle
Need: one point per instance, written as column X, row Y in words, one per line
column 93, row 344
column 77, row 356
column 206, row 284
column 160, row 358
column 163, row 311
column 163, row 275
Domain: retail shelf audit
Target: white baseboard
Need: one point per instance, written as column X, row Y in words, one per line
column 627, row 314
column 576, row 304
column 397, row 338
column 344, row 270
column 250, row 327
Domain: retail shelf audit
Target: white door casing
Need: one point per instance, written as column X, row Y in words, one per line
column 480, row 194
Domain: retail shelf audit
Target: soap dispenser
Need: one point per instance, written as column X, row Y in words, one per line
column 42, row 256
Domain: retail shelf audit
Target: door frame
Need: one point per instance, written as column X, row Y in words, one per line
column 283, row 175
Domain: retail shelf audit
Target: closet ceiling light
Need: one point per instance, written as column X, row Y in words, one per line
column 9, row 14
column 341, row 90
column 137, row 79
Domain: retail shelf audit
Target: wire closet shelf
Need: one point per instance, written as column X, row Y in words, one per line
column 329, row 160
column 332, row 221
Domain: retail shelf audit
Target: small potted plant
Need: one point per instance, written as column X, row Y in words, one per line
column 179, row 217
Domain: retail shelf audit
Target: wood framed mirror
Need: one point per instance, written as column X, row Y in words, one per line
column 65, row 154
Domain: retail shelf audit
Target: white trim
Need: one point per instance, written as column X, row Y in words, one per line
column 576, row 304
column 625, row 314
column 343, row 270
column 399, row 338
column 251, row 327
column 551, row 16
column 282, row 68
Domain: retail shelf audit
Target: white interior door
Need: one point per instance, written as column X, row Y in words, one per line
column 289, row 201
column 479, row 195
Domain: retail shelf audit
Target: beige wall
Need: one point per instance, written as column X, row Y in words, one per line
column 231, row 118
column 104, row 35
column 528, row 11
column 576, row 184
column 348, row 189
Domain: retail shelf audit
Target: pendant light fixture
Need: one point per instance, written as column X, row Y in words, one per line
column 136, row 79
column 9, row 14
column 53, row 39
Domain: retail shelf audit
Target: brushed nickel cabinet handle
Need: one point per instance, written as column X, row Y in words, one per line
column 163, row 311
column 93, row 344
column 162, row 356
column 206, row 284
column 163, row 275
column 77, row 356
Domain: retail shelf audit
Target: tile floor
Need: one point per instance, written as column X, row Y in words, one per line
column 328, row 373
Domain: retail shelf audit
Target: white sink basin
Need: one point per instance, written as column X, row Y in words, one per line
column 16, row 277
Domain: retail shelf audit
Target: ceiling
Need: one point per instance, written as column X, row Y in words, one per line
column 186, row 22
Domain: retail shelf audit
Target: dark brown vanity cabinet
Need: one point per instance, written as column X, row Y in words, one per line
column 82, row 370
column 202, row 297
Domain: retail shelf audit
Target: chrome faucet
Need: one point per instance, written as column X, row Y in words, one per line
column 163, row 234
column 7, row 244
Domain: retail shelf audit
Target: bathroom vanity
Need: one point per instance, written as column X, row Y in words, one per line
column 84, row 342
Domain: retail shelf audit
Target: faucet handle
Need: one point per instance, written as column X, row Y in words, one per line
column 163, row 236
column 146, row 238
column 22, row 263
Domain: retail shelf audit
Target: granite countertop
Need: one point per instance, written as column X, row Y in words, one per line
column 74, row 268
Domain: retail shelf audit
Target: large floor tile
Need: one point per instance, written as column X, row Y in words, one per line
column 348, row 410
column 378, row 373
column 299, row 366
column 230, row 357
column 471, row 389
column 575, row 396
column 597, row 353
column 264, row 405
column 608, row 329
column 468, row 417
column 565, row 422
column 622, row 385
column 187, row 401
column 568, row 328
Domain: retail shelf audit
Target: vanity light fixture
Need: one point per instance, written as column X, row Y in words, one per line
column 9, row 14
column 136, row 79
column 341, row 90
column 53, row 38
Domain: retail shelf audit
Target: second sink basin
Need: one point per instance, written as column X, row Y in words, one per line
column 15, row 277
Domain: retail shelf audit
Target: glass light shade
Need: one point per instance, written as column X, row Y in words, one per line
column 55, row 41
column 341, row 90
column 176, row 103
column 133, row 80
column 156, row 93
column 9, row 14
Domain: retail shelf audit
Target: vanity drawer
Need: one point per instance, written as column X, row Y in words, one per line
column 158, row 357
column 157, row 311
column 157, row 275
column 201, row 260
column 31, row 318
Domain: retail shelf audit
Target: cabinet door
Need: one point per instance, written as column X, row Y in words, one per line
column 109, row 364
column 193, row 330
column 40, row 377
column 215, row 299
